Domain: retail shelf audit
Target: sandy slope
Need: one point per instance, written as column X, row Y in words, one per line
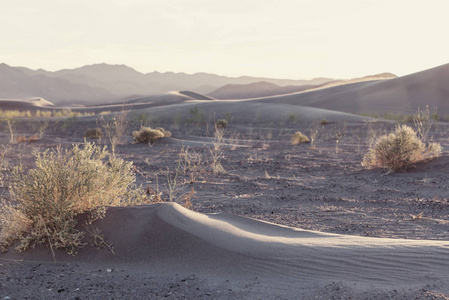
column 399, row 95
column 169, row 239
column 23, row 105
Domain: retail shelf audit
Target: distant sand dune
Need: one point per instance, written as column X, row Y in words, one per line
column 399, row 95
column 23, row 105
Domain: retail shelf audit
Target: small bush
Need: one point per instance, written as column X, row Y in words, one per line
column 399, row 149
column 64, row 184
column 93, row 133
column 21, row 139
column 292, row 118
column 298, row 138
column 165, row 132
column 197, row 116
column 324, row 122
column 148, row 135
column 222, row 123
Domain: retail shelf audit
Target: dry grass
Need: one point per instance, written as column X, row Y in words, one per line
column 115, row 127
column 217, row 151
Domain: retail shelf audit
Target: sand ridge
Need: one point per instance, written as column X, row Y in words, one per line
column 172, row 239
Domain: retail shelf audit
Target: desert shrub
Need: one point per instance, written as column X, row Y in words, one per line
column 63, row 185
column 292, row 118
column 197, row 116
column 147, row 135
column 217, row 150
column 165, row 132
column 21, row 139
column 114, row 127
column 227, row 116
column 399, row 149
column 298, row 138
column 221, row 123
column 423, row 121
column 93, row 133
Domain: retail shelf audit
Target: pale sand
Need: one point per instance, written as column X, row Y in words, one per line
column 167, row 239
column 399, row 95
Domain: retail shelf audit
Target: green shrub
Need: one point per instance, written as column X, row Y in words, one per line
column 197, row 116
column 399, row 149
column 222, row 123
column 292, row 118
column 298, row 138
column 63, row 185
column 93, row 133
column 148, row 135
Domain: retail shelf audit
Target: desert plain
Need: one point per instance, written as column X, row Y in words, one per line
column 277, row 221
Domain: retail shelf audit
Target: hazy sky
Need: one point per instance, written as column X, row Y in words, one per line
column 296, row 39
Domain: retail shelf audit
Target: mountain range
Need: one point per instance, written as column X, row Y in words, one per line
column 101, row 83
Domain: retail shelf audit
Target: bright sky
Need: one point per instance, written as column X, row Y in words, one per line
column 298, row 39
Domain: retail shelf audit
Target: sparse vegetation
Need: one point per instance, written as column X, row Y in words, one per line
column 115, row 127
column 221, row 123
column 177, row 121
column 298, row 138
column 217, row 150
column 165, row 132
column 93, row 133
column 64, row 184
column 423, row 121
column 292, row 118
column 228, row 117
column 314, row 131
column 149, row 135
column 191, row 163
column 399, row 149
column 9, row 120
column 198, row 116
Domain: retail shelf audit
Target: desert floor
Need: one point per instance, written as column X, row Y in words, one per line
column 321, row 188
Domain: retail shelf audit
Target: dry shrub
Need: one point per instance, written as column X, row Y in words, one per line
column 298, row 138
column 114, row 127
column 149, row 135
column 14, row 224
column 93, row 133
column 399, row 149
column 33, row 138
column 165, row 132
column 64, row 184
column 222, row 123
column 157, row 197
column 217, row 151
column 21, row 139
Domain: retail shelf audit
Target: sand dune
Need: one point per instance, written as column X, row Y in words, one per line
column 399, row 95
column 255, row 90
column 24, row 105
column 166, row 107
column 266, row 89
column 249, row 112
column 169, row 238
